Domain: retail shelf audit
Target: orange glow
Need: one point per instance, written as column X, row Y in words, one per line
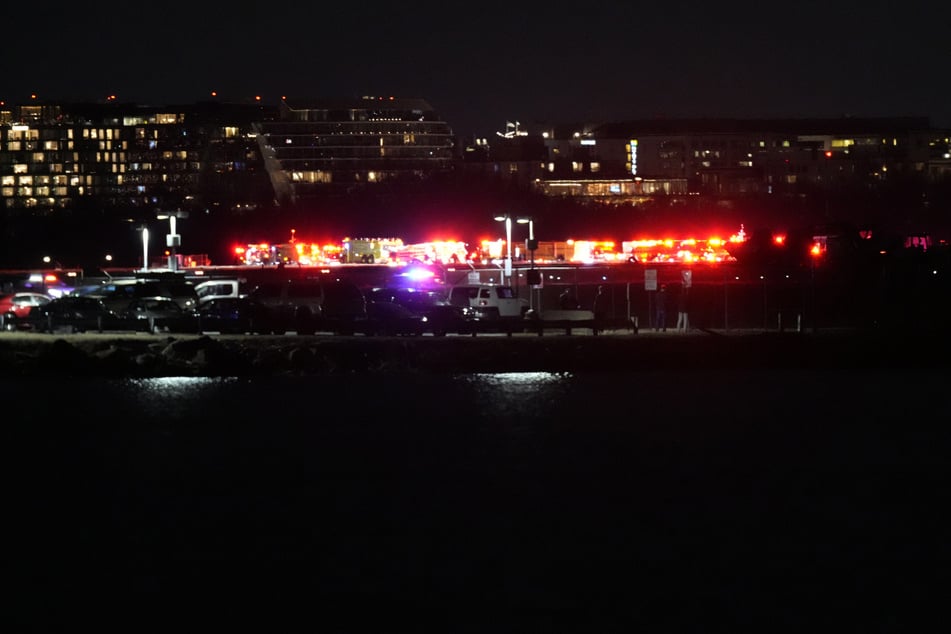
column 779, row 240
column 828, row 153
column 816, row 250
column 691, row 250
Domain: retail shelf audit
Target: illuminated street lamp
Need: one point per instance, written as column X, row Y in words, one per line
column 533, row 278
column 48, row 260
column 173, row 240
column 531, row 227
column 145, row 248
column 507, row 219
column 816, row 253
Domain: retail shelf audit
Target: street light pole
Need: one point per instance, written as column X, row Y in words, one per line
column 508, row 248
column 145, row 248
column 507, row 219
column 531, row 245
column 173, row 240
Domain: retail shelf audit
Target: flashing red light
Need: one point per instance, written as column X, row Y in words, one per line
column 816, row 250
column 779, row 240
column 828, row 153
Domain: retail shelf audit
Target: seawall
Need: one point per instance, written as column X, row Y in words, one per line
column 95, row 355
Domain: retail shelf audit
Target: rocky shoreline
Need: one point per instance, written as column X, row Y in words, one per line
column 147, row 356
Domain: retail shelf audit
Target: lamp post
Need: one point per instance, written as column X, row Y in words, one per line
column 531, row 244
column 145, row 248
column 815, row 252
column 507, row 219
column 173, row 240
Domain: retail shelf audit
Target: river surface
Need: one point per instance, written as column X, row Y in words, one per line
column 686, row 500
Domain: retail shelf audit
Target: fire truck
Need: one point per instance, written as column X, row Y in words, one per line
column 369, row 250
column 263, row 253
column 433, row 252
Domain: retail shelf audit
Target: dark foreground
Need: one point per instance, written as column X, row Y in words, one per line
column 676, row 484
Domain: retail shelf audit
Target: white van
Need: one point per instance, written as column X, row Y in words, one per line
column 489, row 301
column 216, row 289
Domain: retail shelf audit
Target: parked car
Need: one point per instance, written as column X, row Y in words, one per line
column 16, row 306
column 116, row 294
column 438, row 315
column 235, row 315
column 72, row 313
column 391, row 319
column 159, row 314
column 307, row 306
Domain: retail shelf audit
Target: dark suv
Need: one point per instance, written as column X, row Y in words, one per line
column 439, row 316
column 307, row 306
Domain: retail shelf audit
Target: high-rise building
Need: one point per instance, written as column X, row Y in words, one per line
column 117, row 157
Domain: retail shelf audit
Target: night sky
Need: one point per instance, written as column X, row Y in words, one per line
column 481, row 64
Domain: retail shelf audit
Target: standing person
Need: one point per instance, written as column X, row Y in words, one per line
column 660, row 309
column 567, row 300
column 599, row 308
column 683, row 318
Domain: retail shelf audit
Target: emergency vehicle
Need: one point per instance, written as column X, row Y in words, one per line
column 490, row 302
column 369, row 250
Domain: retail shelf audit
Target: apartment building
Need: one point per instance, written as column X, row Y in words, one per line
column 121, row 158
column 117, row 158
column 638, row 159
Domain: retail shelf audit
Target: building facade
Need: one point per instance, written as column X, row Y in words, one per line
column 119, row 158
column 318, row 146
column 116, row 158
column 727, row 157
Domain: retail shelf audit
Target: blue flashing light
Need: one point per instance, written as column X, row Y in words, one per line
column 417, row 274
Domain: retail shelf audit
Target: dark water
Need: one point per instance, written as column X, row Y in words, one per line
column 678, row 501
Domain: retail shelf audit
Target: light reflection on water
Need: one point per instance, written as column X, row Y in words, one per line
column 524, row 396
column 176, row 396
column 510, row 393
